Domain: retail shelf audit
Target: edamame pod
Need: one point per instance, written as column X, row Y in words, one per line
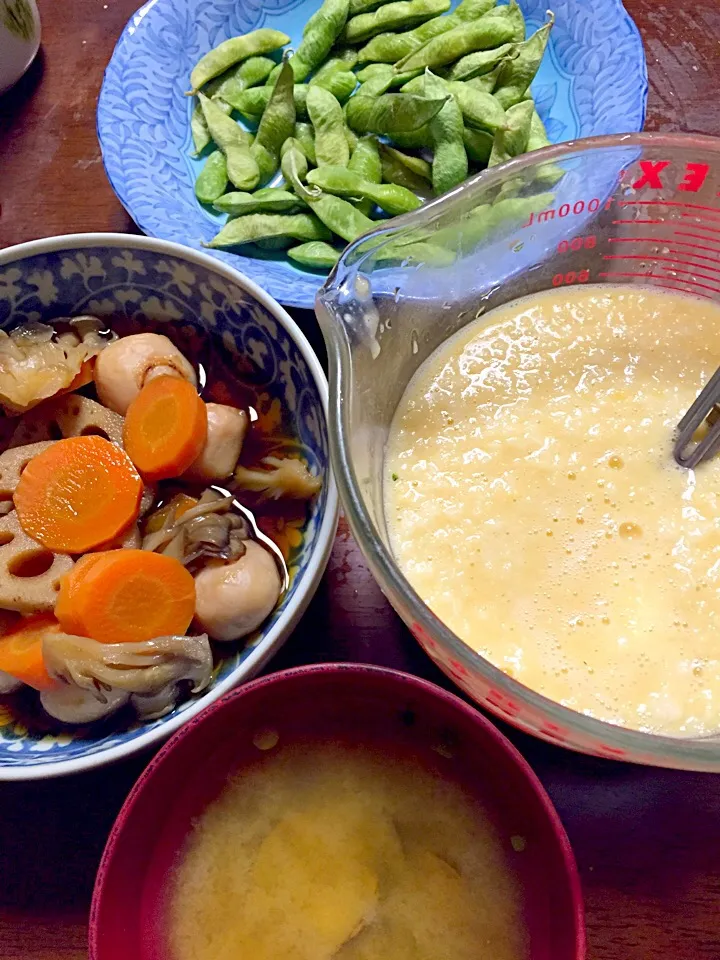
column 251, row 103
column 392, row 16
column 247, row 74
column 391, row 113
column 479, row 109
column 276, row 125
column 242, row 168
column 478, row 145
column 391, row 47
column 316, row 255
column 264, row 226
column 450, row 162
column 391, row 198
column 305, row 136
column 365, row 161
column 264, row 200
column 518, row 73
column 512, row 139
column 491, row 30
column 337, row 64
column 232, row 51
column 481, row 62
column 213, row 178
column 326, row 115
column 397, row 168
column 320, row 33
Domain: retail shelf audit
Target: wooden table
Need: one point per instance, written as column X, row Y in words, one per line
column 647, row 841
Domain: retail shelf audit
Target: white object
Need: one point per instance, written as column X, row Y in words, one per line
column 19, row 39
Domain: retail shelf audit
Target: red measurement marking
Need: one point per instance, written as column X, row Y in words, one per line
column 679, row 243
column 703, row 286
column 670, row 286
column 654, row 276
column 639, row 256
column 666, row 203
column 696, row 236
column 699, row 216
column 646, row 221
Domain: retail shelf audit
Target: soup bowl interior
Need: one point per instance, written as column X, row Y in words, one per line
column 552, row 219
column 346, row 704
column 139, row 284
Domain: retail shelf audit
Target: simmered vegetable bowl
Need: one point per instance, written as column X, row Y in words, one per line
column 128, row 545
column 316, row 157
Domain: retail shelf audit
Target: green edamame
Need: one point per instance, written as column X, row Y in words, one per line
column 326, row 116
column 392, row 16
column 400, row 169
column 365, row 161
column 512, row 139
column 305, row 136
column 478, row 145
column 450, row 162
column 391, row 113
column 247, row 74
column 199, row 128
column 339, row 216
column 363, row 6
column 251, row 103
column 479, row 109
column 490, row 30
column 340, row 63
column 518, row 73
column 316, row 255
column 391, row 47
column 232, row 51
column 294, row 167
column 320, row 33
column 481, row 62
column 549, row 173
column 242, row 168
column 265, row 226
column 213, row 178
column 391, row 198
column 264, row 200
column 276, row 125
column 385, row 71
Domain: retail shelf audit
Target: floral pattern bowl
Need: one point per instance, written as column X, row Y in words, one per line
column 151, row 281
column 593, row 81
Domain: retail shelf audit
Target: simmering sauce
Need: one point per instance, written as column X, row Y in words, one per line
column 533, row 501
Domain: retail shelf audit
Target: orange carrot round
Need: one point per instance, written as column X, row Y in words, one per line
column 78, row 494
column 64, row 605
column 165, row 428
column 130, row 596
column 21, row 650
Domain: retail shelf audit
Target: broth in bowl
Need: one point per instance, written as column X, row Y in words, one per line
column 324, row 851
column 533, row 501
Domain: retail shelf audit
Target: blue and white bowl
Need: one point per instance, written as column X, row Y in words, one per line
column 112, row 275
column 592, row 82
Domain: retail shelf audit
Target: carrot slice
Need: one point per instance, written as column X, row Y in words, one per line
column 21, row 650
column 132, row 595
column 65, row 604
column 82, row 378
column 77, row 494
column 165, row 428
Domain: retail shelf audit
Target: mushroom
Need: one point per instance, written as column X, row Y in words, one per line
column 209, row 529
column 226, row 429
column 8, row 683
column 125, row 366
column 232, row 599
column 289, row 477
column 72, row 704
column 149, row 673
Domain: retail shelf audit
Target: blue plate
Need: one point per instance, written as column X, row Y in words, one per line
column 593, row 81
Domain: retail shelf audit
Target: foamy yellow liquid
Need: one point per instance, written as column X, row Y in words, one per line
column 540, row 514
column 332, row 853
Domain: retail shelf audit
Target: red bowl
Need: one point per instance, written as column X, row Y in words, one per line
column 347, row 703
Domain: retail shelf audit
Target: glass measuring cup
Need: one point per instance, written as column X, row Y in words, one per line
column 631, row 209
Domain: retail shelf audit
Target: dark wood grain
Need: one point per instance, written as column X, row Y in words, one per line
column 647, row 841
